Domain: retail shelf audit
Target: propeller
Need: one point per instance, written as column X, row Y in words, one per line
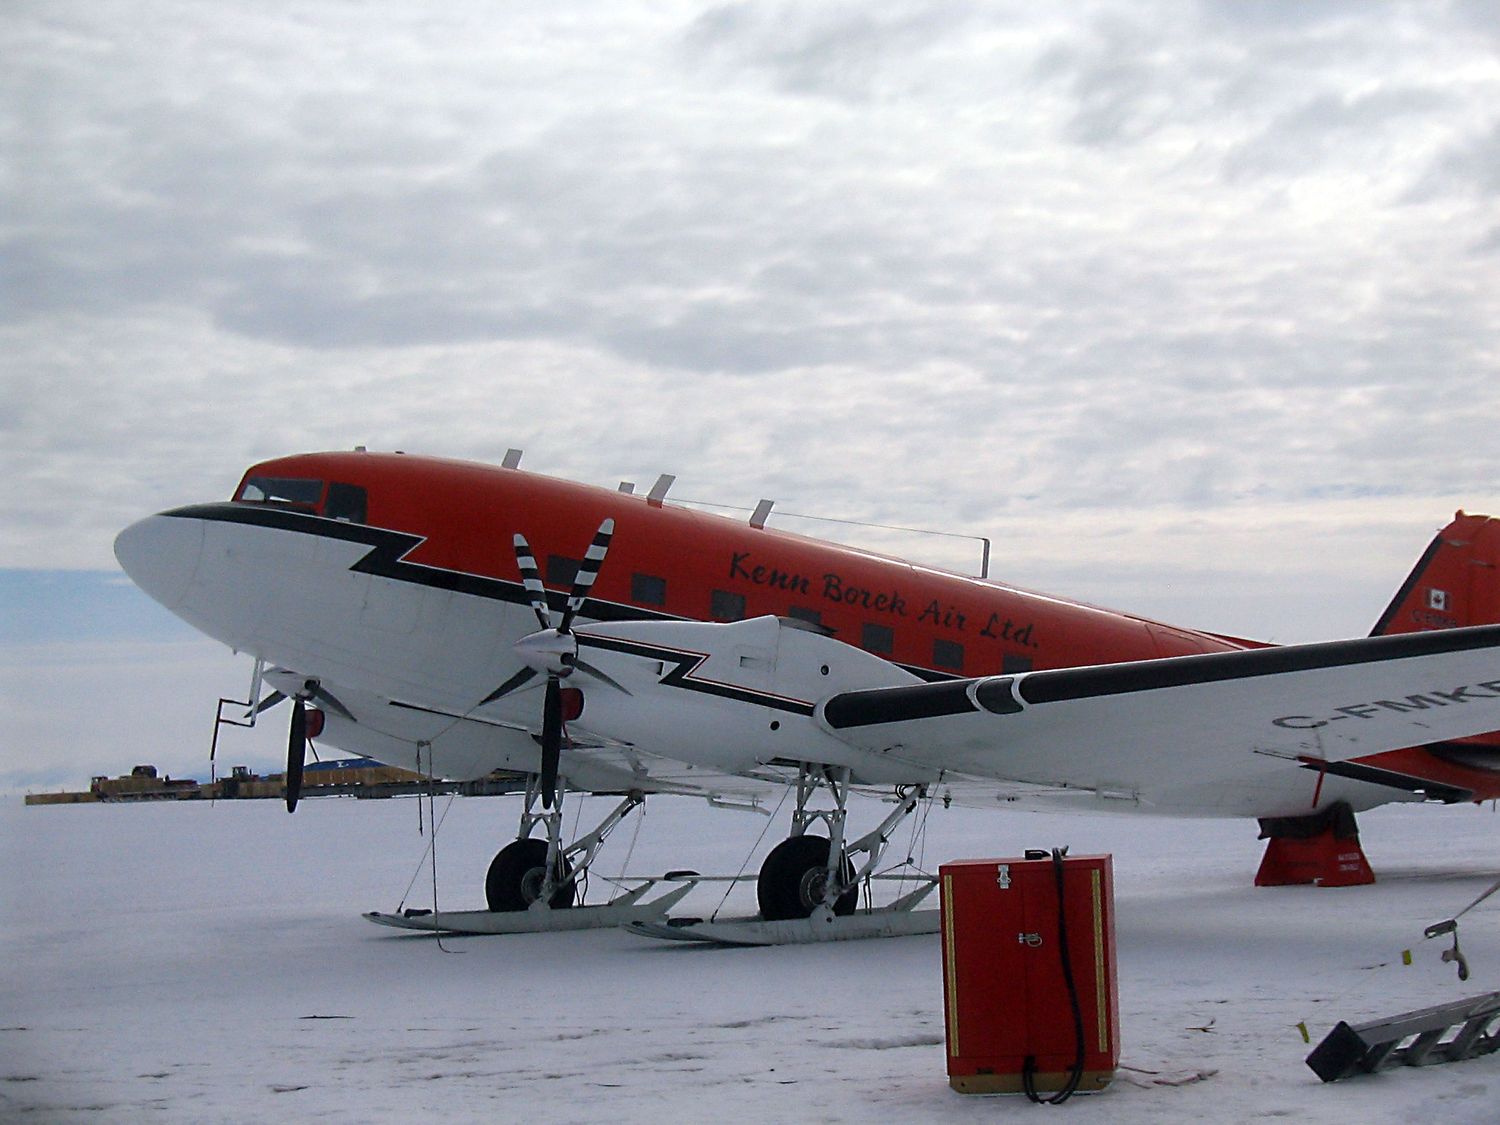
column 553, row 651
column 266, row 704
column 296, row 745
column 315, row 694
column 296, row 753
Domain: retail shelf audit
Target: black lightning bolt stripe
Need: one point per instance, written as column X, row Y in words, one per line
column 683, row 664
column 387, row 557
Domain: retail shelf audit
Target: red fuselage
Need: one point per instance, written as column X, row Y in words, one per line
column 672, row 562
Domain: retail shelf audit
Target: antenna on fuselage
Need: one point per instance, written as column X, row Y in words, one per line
column 761, row 514
column 512, row 459
column 627, row 487
column 658, row 491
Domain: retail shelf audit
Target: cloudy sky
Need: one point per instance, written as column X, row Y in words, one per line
column 1191, row 306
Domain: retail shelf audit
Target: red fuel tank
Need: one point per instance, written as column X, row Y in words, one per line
column 1013, row 1017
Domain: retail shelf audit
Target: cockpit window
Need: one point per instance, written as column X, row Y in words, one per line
column 346, row 502
column 343, row 502
column 282, row 490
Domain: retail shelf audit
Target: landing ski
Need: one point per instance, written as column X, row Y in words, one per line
column 623, row 910
column 793, row 931
column 899, row 919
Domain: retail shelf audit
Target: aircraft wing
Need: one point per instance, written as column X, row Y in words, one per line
column 1206, row 734
column 1158, row 725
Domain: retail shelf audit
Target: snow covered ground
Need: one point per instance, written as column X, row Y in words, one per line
column 207, row 963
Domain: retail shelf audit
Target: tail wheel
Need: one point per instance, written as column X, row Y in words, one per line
column 516, row 874
column 794, row 877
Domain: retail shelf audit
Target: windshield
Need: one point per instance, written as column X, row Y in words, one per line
column 282, row 490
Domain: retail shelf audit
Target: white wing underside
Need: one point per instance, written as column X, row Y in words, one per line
column 729, row 709
column 1222, row 732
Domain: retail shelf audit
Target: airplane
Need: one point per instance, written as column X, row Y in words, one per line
column 460, row 618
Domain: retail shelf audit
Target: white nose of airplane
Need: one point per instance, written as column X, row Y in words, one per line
column 160, row 553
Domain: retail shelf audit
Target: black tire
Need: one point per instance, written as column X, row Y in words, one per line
column 792, row 879
column 514, row 879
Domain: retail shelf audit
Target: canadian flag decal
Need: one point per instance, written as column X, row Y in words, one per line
column 1438, row 600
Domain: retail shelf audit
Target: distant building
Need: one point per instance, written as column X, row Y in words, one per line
column 359, row 777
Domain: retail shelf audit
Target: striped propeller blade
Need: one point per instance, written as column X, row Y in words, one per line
column 593, row 559
column 531, row 578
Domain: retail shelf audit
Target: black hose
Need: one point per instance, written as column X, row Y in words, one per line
column 1028, row 1069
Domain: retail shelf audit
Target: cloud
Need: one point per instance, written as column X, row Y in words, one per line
column 1482, row 16
column 1359, row 131
column 1288, row 20
column 847, row 52
column 932, row 263
column 1470, row 166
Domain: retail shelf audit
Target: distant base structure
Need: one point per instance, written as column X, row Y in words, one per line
column 343, row 777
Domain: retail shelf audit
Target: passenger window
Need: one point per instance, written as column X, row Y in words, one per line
column 724, row 606
column 1011, row 664
column 345, row 502
column 811, row 616
column 879, row 639
column 647, row 589
column 561, row 570
column 947, row 654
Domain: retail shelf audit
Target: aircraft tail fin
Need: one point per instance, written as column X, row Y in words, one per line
column 1455, row 583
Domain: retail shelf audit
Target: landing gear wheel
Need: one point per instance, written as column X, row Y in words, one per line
column 794, row 876
column 514, row 880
